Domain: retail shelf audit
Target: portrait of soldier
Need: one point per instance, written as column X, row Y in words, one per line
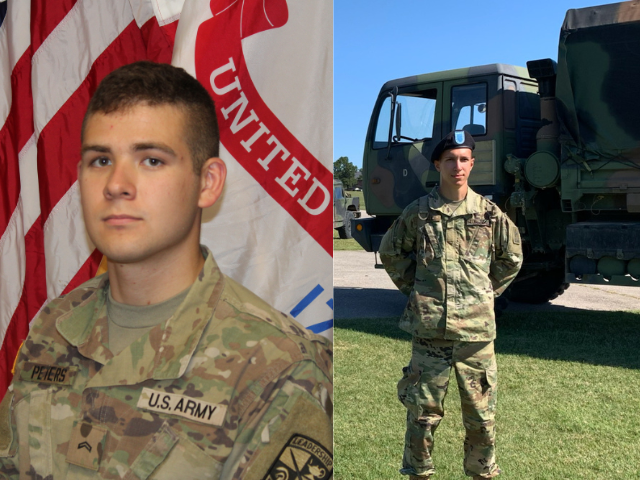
column 452, row 252
column 162, row 367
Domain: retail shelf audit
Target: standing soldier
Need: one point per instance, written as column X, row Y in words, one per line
column 452, row 252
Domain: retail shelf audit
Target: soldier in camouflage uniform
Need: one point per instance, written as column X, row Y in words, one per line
column 221, row 386
column 451, row 251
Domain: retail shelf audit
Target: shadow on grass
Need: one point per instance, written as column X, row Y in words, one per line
column 565, row 334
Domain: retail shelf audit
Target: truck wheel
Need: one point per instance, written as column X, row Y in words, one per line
column 345, row 231
column 541, row 288
column 500, row 304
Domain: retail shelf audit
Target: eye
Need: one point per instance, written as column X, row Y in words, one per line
column 100, row 162
column 152, row 162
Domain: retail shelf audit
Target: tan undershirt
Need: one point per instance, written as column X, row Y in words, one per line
column 127, row 323
column 451, row 205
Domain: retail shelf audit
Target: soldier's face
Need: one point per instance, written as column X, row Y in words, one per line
column 140, row 196
column 454, row 167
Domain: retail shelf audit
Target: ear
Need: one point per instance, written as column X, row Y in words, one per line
column 473, row 161
column 212, row 177
column 436, row 163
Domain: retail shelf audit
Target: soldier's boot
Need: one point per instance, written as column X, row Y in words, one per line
column 494, row 474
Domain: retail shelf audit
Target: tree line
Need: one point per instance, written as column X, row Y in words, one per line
column 345, row 171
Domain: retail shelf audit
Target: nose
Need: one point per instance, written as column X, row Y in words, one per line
column 120, row 183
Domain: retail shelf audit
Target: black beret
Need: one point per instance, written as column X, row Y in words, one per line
column 455, row 139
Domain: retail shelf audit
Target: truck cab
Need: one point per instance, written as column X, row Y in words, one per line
column 497, row 104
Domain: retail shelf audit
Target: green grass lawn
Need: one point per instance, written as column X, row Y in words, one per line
column 346, row 244
column 568, row 405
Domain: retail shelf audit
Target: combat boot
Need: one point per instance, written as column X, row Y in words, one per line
column 480, row 477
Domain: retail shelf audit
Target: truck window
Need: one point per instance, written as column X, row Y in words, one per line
column 469, row 108
column 417, row 117
column 337, row 193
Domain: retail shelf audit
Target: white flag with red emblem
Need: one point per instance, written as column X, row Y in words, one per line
column 268, row 67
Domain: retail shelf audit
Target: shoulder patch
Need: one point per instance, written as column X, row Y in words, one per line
column 301, row 448
column 302, row 458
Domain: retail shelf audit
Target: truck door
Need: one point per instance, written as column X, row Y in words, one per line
column 405, row 126
column 474, row 104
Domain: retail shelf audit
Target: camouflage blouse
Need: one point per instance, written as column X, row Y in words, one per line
column 451, row 264
column 227, row 388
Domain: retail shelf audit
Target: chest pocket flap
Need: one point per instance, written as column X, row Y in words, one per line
column 170, row 455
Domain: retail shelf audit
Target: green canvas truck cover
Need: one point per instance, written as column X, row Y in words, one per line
column 598, row 91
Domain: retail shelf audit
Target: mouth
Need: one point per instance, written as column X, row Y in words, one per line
column 120, row 219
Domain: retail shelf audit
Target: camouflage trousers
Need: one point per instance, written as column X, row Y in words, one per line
column 423, row 388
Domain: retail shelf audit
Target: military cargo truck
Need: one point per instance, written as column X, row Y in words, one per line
column 557, row 148
column 345, row 208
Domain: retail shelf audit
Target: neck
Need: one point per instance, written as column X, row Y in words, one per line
column 455, row 194
column 156, row 279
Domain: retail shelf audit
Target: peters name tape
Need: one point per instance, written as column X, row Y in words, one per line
column 52, row 374
column 183, row 406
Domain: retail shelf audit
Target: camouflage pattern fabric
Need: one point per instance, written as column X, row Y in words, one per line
column 452, row 265
column 452, row 262
column 227, row 388
column 423, row 388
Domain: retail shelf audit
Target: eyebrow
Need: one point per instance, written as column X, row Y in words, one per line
column 137, row 147
column 94, row 148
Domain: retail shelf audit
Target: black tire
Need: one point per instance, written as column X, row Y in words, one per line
column 345, row 231
column 500, row 304
column 541, row 288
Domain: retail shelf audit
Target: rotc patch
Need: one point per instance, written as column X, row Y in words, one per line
column 302, row 458
column 86, row 446
column 183, row 406
column 53, row 374
column 459, row 137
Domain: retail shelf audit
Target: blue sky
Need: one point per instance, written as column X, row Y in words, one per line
column 379, row 40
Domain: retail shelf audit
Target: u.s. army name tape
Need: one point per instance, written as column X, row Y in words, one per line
column 182, row 405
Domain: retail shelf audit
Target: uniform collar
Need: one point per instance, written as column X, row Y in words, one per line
column 164, row 352
column 470, row 205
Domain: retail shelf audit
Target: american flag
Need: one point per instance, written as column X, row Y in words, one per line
column 270, row 231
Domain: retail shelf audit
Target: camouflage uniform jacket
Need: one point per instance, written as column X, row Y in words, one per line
column 227, row 388
column 451, row 264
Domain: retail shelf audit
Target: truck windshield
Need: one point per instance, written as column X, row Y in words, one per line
column 416, row 118
column 469, row 108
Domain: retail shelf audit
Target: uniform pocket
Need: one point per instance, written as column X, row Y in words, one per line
column 40, row 432
column 430, row 242
column 426, row 253
column 408, row 392
column 6, row 429
column 169, row 455
column 490, row 380
column 479, row 239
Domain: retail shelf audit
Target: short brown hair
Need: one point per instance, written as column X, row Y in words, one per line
column 154, row 84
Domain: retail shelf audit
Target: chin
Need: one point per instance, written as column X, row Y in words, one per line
column 123, row 255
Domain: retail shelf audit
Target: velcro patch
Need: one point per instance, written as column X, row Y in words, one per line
column 54, row 374
column 478, row 220
column 302, row 458
column 183, row 406
column 86, row 446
